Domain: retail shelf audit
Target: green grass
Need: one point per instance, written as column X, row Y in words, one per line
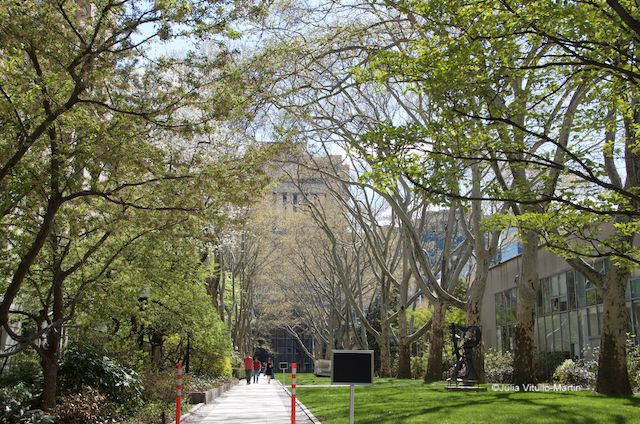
column 305, row 378
column 411, row 401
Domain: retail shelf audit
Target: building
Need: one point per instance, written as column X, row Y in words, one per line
column 288, row 350
column 568, row 315
column 300, row 178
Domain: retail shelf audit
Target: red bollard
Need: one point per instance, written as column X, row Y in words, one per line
column 178, row 392
column 293, row 393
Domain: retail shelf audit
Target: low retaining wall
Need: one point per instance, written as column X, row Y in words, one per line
column 210, row 395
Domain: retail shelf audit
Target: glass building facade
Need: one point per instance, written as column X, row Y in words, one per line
column 568, row 313
column 287, row 349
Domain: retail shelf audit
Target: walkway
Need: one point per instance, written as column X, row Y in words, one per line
column 259, row 403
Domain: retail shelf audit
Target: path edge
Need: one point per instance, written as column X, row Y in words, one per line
column 225, row 387
column 303, row 408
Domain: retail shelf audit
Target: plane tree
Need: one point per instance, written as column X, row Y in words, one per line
column 537, row 101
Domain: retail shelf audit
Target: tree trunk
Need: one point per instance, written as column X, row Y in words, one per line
column 523, row 373
column 404, row 359
column 404, row 343
column 613, row 376
column 49, row 354
column 157, row 340
column 333, row 322
column 385, row 352
column 434, row 364
column 384, row 341
column 50, row 366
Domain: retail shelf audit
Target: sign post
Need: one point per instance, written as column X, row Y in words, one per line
column 352, row 367
column 352, row 396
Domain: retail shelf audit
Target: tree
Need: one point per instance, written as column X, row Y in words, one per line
column 501, row 63
column 70, row 68
column 333, row 107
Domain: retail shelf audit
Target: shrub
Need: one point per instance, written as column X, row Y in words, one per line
column 88, row 406
column 22, row 368
column 160, row 386
column 17, row 405
column 498, row 366
column 575, row 374
column 159, row 397
column 153, row 413
column 633, row 363
column 87, row 366
column 418, row 366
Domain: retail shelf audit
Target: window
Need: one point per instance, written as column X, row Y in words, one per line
column 635, row 287
column 557, row 334
column 540, row 342
column 600, row 315
column 506, row 306
column 499, row 308
column 594, row 324
column 566, row 336
column 555, row 304
column 573, row 328
column 627, row 291
column 581, row 297
column 636, row 319
column 555, row 290
column 591, row 294
column 548, row 333
column 539, row 309
column 562, row 283
column 546, row 296
column 506, row 338
column 563, row 302
column 571, row 290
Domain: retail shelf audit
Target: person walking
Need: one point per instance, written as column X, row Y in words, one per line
column 248, row 367
column 256, row 369
column 268, row 370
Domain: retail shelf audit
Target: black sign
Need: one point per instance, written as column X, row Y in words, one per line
column 352, row 367
column 284, row 365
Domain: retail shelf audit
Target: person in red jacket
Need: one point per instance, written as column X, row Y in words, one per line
column 256, row 369
column 248, row 367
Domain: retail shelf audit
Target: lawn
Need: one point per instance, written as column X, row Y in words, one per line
column 411, row 401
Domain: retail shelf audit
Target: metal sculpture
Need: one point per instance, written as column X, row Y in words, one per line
column 464, row 338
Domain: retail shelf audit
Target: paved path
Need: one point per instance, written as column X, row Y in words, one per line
column 259, row 403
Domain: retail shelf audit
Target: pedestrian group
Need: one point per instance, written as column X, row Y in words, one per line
column 253, row 368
